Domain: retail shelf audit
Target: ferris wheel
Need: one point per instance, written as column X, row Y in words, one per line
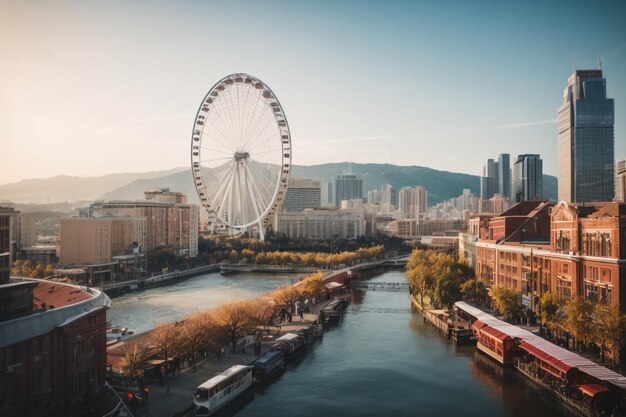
column 241, row 153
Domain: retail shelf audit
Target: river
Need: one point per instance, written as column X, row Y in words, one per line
column 383, row 360
column 143, row 310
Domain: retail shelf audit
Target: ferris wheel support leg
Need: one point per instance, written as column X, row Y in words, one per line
column 261, row 230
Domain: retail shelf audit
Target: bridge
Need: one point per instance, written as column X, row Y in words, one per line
column 376, row 285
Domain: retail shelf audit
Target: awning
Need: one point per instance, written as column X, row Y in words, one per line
column 592, row 389
column 501, row 336
column 549, row 359
column 477, row 325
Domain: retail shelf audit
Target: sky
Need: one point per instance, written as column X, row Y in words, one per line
column 89, row 88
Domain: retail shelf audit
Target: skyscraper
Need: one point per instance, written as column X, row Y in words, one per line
column 347, row 187
column 586, row 139
column 496, row 177
column 504, row 175
column 620, row 180
column 413, row 202
column 528, row 178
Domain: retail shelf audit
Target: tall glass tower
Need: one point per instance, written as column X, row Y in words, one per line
column 528, row 178
column 586, row 139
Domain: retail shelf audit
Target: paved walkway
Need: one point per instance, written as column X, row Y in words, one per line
column 162, row 403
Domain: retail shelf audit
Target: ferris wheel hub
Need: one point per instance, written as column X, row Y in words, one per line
column 242, row 155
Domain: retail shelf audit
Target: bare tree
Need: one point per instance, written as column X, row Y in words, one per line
column 234, row 320
column 166, row 338
column 197, row 334
column 134, row 360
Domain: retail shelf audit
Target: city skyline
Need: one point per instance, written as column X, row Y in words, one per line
column 97, row 89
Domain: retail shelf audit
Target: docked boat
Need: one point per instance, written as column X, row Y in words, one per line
column 333, row 312
column 291, row 344
column 584, row 387
column 221, row 389
column 267, row 365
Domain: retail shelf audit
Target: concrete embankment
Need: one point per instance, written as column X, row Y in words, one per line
column 117, row 288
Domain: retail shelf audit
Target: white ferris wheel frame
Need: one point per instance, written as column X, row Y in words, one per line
column 267, row 216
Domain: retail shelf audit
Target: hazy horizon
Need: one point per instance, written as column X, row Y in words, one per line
column 90, row 89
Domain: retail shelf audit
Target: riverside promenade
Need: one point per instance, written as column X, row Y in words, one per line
column 177, row 402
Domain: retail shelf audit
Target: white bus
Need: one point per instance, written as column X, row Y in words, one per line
column 219, row 390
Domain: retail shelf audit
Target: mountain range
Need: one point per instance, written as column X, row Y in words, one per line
column 441, row 185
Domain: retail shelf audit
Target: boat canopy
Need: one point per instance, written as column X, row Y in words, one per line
column 223, row 376
column 288, row 337
column 332, row 285
column 492, row 331
column 547, row 358
column 592, row 389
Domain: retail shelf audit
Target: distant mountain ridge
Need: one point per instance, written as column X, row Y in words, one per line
column 441, row 185
column 67, row 188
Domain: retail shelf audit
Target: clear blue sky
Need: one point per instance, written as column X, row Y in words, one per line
column 89, row 88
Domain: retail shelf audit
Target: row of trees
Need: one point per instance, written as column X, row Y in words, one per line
column 204, row 332
column 27, row 268
column 310, row 258
column 587, row 322
column 441, row 278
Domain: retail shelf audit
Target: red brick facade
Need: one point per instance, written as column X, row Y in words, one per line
column 582, row 253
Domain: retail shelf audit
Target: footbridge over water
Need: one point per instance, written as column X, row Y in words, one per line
column 376, row 285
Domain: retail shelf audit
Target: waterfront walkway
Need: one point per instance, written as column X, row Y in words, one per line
column 173, row 397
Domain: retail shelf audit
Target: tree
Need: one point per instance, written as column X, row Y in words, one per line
column 262, row 309
column 506, row 301
column 551, row 310
column 419, row 275
column 166, row 338
column 448, row 289
column 286, row 296
column 474, row 291
column 578, row 318
column 313, row 285
column 234, row 320
column 609, row 329
column 49, row 271
column 134, row 360
column 197, row 333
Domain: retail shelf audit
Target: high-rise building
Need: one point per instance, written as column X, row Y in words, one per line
column 496, row 178
column 504, row 175
column 92, row 241
column 620, row 180
column 8, row 235
column 389, row 196
column 27, row 230
column 302, row 194
column 413, row 202
column 528, row 178
column 347, row 187
column 586, row 144
column 172, row 225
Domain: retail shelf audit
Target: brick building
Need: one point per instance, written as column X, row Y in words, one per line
column 52, row 348
column 572, row 250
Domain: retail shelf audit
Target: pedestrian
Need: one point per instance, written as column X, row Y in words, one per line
column 306, row 305
column 222, row 350
column 145, row 393
column 161, row 375
column 301, row 315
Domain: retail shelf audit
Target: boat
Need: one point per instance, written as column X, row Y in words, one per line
column 221, row 389
column 267, row 365
column 333, row 312
column 290, row 344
